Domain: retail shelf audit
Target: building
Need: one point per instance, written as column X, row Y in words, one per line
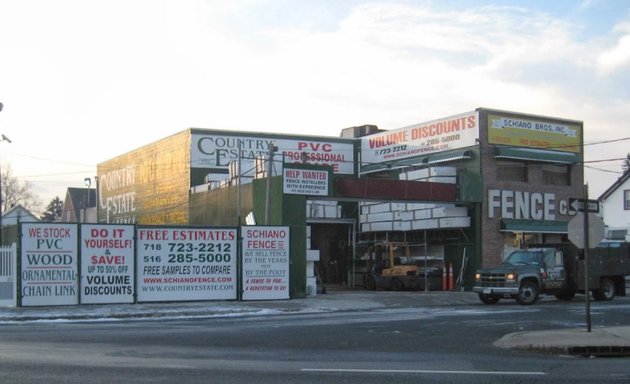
column 79, row 206
column 18, row 214
column 464, row 189
column 615, row 208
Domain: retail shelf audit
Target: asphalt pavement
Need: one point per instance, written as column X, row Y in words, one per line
column 604, row 341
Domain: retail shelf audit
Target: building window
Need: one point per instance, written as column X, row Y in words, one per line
column 511, row 171
column 554, row 174
column 626, row 199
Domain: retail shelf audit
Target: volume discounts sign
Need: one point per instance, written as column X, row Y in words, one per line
column 265, row 263
column 107, row 254
column 179, row 264
column 49, row 264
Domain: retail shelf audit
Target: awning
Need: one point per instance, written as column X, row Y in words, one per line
column 533, row 226
column 419, row 161
column 450, row 156
column 532, row 154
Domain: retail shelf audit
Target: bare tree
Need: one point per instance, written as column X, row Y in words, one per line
column 16, row 192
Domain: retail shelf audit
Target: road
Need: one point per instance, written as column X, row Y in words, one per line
column 397, row 345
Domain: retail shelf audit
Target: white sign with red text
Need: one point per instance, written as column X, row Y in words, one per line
column 305, row 182
column 49, row 264
column 107, row 263
column 265, row 262
column 435, row 136
column 186, row 263
column 216, row 151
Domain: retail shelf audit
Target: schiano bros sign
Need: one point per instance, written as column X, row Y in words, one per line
column 534, row 133
column 453, row 132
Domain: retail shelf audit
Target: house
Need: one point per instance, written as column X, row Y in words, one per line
column 615, row 208
column 77, row 199
column 18, row 214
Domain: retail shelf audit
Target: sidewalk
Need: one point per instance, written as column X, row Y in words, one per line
column 599, row 342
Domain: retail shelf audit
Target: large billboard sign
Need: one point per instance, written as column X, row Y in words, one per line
column 265, row 263
column 435, row 136
column 183, row 264
column 534, row 133
column 107, row 263
column 216, row 151
column 49, row 256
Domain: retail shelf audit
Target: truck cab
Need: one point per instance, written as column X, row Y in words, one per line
column 524, row 275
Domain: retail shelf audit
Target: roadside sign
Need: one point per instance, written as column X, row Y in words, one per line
column 584, row 205
column 575, row 230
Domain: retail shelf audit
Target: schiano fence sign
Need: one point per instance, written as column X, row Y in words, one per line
column 186, row 263
column 265, row 262
column 48, row 270
column 107, row 263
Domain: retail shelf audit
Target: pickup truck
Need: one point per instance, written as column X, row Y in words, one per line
column 558, row 270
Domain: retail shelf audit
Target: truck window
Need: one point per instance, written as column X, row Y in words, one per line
column 550, row 258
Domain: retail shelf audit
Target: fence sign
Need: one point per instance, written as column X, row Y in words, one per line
column 265, row 262
column 49, row 264
column 107, row 255
column 186, row 263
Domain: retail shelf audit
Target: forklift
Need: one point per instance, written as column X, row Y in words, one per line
column 399, row 270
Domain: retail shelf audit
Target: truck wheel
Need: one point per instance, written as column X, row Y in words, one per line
column 527, row 293
column 397, row 285
column 489, row 299
column 606, row 291
column 370, row 283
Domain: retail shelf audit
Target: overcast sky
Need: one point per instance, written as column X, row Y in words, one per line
column 87, row 80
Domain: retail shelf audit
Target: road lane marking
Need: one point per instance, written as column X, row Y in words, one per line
column 351, row 370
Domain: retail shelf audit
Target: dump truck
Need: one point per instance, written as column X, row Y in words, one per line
column 556, row 270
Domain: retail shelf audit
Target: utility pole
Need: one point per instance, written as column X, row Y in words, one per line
column 272, row 149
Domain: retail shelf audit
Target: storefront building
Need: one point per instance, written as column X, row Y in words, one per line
column 475, row 186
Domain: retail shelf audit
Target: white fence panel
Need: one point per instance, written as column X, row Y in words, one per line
column 8, row 276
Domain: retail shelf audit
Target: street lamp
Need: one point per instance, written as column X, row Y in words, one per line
column 87, row 181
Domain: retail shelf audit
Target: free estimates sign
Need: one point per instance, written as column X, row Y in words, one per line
column 49, row 264
column 107, row 255
column 186, row 263
column 265, row 263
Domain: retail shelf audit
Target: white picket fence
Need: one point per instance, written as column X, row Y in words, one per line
column 8, row 276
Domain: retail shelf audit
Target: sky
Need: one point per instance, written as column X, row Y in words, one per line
column 83, row 81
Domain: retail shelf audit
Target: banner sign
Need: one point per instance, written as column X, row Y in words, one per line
column 107, row 263
column 49, row 264
column 186, row 263
column 533, row 133
column 435, row 136
column 265, row 263
column 216, row 151
column 305, row 182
